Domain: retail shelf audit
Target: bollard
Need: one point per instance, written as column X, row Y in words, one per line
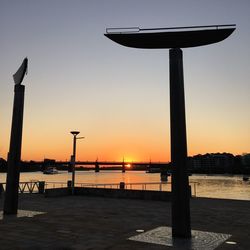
column 122, row 185
column 69, row 184
column 1, row 189
column 190, row 191
column 41, row 185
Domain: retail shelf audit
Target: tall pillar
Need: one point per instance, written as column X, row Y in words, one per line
column 123, row 168
column 73, row 164
column 14, row 156
column 97, row 167
column 180, row 186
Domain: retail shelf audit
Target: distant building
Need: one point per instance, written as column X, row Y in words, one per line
column 215, row 162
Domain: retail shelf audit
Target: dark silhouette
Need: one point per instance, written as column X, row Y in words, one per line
column 209, row 163
column 14, row 156
column 165, row 38
column 97, row 167
column 180, row 186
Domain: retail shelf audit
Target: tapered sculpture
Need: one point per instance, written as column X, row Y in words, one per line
column 14, row 155
column 174, row 39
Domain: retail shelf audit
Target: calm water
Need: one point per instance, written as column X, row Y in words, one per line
column 229, row 187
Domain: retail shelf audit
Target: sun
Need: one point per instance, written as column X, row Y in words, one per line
column 128, row 165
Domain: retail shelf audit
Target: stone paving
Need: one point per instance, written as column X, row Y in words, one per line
column 80, row 222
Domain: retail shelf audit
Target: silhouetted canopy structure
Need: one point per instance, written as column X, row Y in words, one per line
column 19, row 75
column 175, row 39
column 167, row 38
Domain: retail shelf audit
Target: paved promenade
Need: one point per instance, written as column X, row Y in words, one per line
column 79, row 222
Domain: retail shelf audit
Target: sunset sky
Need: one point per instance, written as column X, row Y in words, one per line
column 118, row 97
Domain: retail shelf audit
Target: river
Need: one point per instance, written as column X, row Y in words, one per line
column 212, row 186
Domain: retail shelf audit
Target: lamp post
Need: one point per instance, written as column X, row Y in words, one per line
column 73, row 159
column 166, row 38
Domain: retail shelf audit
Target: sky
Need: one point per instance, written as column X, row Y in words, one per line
column 118, row 97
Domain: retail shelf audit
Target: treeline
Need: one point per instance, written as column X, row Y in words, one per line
column 24, row 166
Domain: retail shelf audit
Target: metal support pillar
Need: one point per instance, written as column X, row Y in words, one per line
column 97, row 167
column 180, row 187
column 73, row 161
column 123, row 168
column 14, row 156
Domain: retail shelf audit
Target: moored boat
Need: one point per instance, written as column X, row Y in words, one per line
column 245, row 178
column 50, row 170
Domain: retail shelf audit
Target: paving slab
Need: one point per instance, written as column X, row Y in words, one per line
column 80, row 222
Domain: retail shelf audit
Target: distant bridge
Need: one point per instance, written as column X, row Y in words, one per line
column 96, row 164
column 103, row 163
column 119, row 163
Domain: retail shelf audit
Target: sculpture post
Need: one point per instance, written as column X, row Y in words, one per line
column 14, row 156
column 180, row 187
column 166, row 38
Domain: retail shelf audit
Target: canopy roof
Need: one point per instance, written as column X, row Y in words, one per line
column 166, row 38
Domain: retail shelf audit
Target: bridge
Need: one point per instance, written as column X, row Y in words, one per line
column 123, row 164
column 118, row 163
column 96, row 164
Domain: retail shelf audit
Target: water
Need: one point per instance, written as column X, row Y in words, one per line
column 221, row 186
column 227, row 187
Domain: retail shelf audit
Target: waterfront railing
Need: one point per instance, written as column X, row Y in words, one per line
column 150, row 186
column 35, row 186
column 32, row 186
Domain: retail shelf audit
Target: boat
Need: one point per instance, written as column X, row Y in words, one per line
column 164, row 175
column 166, row 38
column 50, row 170
column 245, row 178
column 153, row 170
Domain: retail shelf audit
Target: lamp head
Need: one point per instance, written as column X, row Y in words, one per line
column 19, row 75
column 75, row 133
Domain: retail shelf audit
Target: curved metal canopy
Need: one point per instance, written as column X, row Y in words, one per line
column 19, row 75
column 133, row 37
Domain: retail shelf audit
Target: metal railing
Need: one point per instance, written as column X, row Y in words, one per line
column 149, row 186
column 55, row 184
column 34, row 186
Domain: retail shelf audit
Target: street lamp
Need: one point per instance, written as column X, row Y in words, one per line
column 73, row 159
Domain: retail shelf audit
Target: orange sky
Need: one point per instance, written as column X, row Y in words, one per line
column 118, row 97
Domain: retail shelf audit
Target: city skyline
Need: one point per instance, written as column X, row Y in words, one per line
column 118, row 98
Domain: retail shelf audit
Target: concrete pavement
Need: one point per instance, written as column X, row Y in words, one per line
column 81, row 222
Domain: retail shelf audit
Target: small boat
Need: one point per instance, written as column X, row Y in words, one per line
column 50, row 170
column 245, row 178
column 164, row 175
column 153, row 170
